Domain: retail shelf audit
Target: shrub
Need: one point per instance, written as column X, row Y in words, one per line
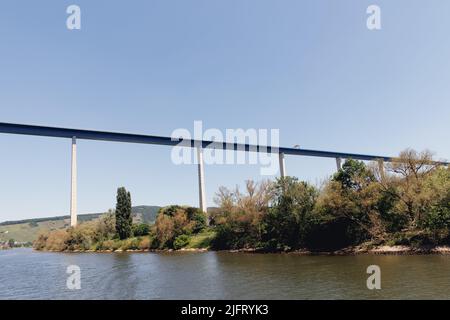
column 239, row 217
column 82, row 237
column 164, row 230
column 141, row 229
column 181, row 241
column 352, row 197
column 173, row 221
column 145, row 243
column 130, row 244
column 290, row 219
column 106, row 245
column 56, row 240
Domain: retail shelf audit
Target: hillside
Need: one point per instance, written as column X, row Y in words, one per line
column 28, row 230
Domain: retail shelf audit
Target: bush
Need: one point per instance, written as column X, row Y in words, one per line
column 82, row 237
column 240, row 215
column 145, row 243
column 234, row 234
column 173, row 221
column 164, row 231
column 130, row 244
column 106, row 245
column 351, row 197
column 56, row 241
column 333, row 234
column 141, row 229
column 181, row 241
column 290, row 219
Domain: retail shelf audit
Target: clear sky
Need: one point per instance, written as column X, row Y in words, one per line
column 309, row 68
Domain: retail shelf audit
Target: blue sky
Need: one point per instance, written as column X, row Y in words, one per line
column 309, row 68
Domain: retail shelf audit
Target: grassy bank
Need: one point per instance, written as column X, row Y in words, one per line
column 201, row 241
column 176, row 227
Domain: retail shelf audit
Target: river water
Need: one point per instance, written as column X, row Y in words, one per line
column 26, row 274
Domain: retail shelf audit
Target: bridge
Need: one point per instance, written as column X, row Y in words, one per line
column 199, row 145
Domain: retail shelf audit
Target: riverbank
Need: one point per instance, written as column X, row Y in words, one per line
column 382, row 250
column 349, row 251
column 362, row 250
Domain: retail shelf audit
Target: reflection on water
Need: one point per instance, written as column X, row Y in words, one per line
column 26, row 274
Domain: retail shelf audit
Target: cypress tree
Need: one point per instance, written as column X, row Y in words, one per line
column 124, row 219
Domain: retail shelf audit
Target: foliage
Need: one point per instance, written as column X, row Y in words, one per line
column 141, row 229
column 405, row 202
column 181, row 241
column 201, row 240
column 123, row 214
column 239, row 218
column 82, row 237
column 290, row 218
column 174, row 221
column 349, row 203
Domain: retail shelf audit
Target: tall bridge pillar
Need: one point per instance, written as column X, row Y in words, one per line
column 338, row 163
column 73, row 188
column 282, row 165
column 381, row 168
column 201, row 182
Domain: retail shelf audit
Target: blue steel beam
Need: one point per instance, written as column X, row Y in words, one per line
column 34, row 130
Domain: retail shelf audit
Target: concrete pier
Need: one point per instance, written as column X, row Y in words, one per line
column 381, row 168
column 282, row 165
column 201, row 181
column 338, row 163
column 73, row 188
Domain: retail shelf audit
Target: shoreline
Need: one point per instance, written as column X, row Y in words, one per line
column 350, row 251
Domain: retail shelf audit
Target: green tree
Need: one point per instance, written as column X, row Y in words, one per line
column 349, row 203
column 354, row 175
column 181, row 241
column 239, row 217
column 124, row 219
column 411, row 176
column 437, row 215
column 141, row 229
column 290, row 218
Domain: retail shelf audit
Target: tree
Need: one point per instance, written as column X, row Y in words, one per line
column 351, row 200
column 174, row 221
column 409, row 175
column 124, row 219
column 141, row 229
column 354, row 175
column 164, row 230
column 290, row 218
column 239, row 216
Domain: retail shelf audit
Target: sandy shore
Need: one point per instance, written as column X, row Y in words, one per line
column 381, row 250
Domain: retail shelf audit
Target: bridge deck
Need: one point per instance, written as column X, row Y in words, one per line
column 23, row 129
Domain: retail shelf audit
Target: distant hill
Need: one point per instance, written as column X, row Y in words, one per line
column 28, row 230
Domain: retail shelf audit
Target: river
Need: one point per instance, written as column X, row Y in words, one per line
column 27, row 274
